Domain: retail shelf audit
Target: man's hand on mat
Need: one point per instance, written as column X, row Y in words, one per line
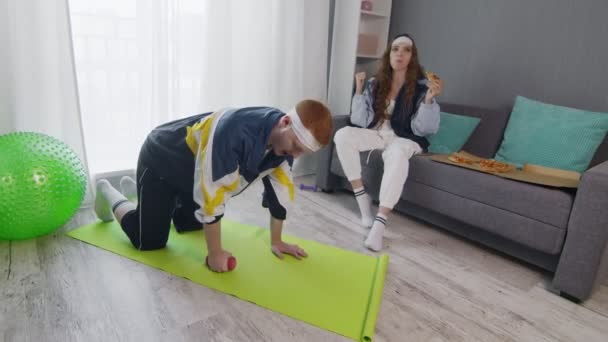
column 279, row 248
column 218, row 261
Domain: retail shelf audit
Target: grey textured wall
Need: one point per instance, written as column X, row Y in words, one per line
column 489, row 51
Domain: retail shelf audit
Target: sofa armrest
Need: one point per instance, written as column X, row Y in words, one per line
column 584, row 260
column 324, row 178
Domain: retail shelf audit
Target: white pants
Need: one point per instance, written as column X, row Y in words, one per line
column 396, row 155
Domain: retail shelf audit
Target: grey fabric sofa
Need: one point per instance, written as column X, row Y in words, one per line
column 561, row 230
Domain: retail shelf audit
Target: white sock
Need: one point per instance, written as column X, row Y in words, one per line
column 128, row 188
column 109, row 199
column 374, row 238
column 102, row 207
column 365, row 206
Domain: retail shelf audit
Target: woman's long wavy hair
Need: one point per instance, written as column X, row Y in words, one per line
column 384, row 79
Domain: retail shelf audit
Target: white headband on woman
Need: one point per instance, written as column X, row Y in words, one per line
column 302, row 133
column 401, row 40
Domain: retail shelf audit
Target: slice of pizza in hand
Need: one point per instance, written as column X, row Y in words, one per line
column 431, row 76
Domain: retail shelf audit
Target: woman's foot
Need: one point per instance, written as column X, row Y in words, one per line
column 374, row 238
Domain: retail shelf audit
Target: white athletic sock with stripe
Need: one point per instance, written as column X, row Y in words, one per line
column 365, row 206
column 374, row 238
column 108, row 200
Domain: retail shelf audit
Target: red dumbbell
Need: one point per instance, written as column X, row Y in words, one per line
column 231, row 263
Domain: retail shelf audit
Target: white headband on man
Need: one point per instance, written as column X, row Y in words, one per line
column 401, row 40
column 302, row 133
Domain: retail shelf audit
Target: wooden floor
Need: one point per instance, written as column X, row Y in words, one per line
column 438, row 287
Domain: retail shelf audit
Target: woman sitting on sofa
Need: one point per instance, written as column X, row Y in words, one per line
column 394, row 112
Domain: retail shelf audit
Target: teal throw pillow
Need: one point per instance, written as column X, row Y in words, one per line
column 553, row 136
column 454, row 131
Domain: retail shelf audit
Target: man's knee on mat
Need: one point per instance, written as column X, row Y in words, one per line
column 187, row 228
column 149, row 245
column 186, row 223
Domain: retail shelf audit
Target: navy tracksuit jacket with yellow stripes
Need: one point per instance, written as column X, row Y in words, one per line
column 216, row 155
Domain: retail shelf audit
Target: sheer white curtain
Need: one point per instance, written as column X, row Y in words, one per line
column 37, row 82
column 144, row 62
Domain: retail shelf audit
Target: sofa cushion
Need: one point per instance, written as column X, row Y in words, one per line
column 545, row 204
column 553, row 136
column 532, row 215
column 486, row 138
column 454, row 131
column 335, row 167
column 601, row 155
column 543, row 237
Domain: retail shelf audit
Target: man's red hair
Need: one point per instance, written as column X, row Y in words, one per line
column 316, row 117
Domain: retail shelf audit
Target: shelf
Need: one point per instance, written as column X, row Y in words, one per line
column 373, row 14
column 359, row 31
column 362, row 55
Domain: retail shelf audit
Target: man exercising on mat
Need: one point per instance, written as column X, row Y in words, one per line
column 189, row 168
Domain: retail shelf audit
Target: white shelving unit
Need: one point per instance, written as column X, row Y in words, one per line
column 373, row 14
column 359, row 39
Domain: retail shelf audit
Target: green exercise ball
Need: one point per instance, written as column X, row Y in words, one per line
column 42, row 183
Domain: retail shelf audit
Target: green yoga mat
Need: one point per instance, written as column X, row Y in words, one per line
column 333, row 288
